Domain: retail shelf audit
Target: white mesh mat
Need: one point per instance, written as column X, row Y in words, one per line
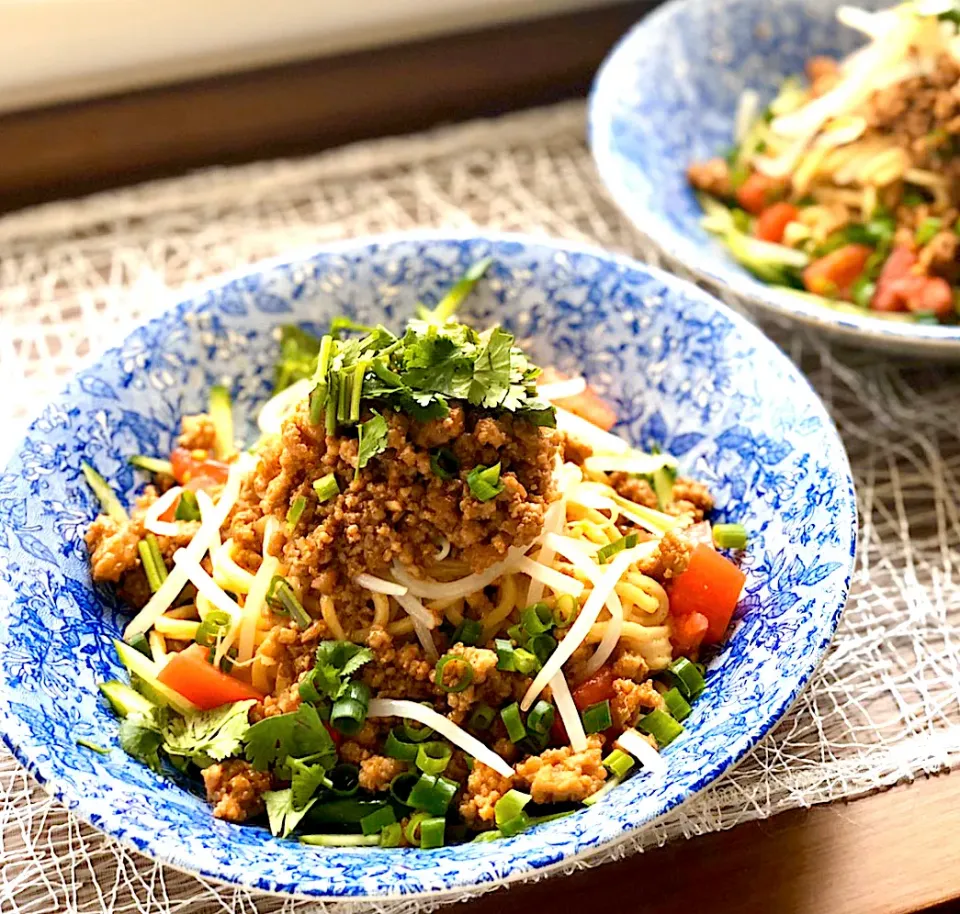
column 885, row 704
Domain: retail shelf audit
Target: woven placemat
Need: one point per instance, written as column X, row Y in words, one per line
column 884, row 706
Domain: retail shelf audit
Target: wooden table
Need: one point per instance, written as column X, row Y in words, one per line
column 893, row 852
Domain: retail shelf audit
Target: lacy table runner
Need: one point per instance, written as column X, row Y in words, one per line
column 884, row 706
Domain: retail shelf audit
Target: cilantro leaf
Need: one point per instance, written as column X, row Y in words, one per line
column 208, row 735
column 355, row 660
column 373, row 440
column 299, row 733
column 281, row 814
column 140, row 739
column 337, row 661
column 491, row 372
column 305, row 780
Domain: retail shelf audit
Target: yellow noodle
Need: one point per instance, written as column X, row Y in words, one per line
column 650, row 642
column 401, row 627
column 381, row 609
column 506, row 603
column 262, row 673
column 182, row 612
column 158, row 646
column 181, row 629
column 328, row 610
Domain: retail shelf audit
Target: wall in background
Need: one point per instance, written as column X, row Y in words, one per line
column 62, row 50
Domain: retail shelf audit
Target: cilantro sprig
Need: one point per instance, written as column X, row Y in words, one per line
column 436, row 360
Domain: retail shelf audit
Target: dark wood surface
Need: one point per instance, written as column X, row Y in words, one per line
column 303, row 107
column 890, row 853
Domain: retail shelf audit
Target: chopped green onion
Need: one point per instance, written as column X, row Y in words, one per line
column 505, row 651
column 540, row 718
column 459, row 684
column 297, row 507
column 106, row 496
column 510, row 715
column 661, row 726
column 356, row 389
column 687, row 678
column 597, row 796
column 482, row 717
column 152, row 465
column 391, row 835
column 448, row 305
column 484, row 482
column 444, row 464
column 927, row 230
column 153, row 565
column 431, row 833
column 394, row 747
column 375, row 822
column 140, row 643
column 510, row 805
column 730, row 536
column 415, row 732
column 330, row 408
column 542, row 647
column 597, row 718
column 433, row 757
column 93, row 747
column 432, row 793
column 349, row 711
column 537, row 619
column 516, row 825
column 402, row 785
column 318, row 396
column 525, row 662
column 188, row 508
column 212, row 628
column 619, row 762
column 663, row 479
column 534, row 743
column 341, row 840
column 468, row 632
column 343, row 779
column 412, row 831
column 517, row 633
column 283, row 601
column 676, row 704
column 863, row 290
column 611, row 549
column 565, row 610
column 221, row 412
column 326, row 487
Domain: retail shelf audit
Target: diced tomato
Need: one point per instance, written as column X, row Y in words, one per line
column 917, row 293
column 897, row 266
column 589, row 405
column 197, row 472
column 599, row 687
column 833, row 274
column 773, row 220
column 689, row 632
column 710, row 586
column 758, row 192
column 189, row 673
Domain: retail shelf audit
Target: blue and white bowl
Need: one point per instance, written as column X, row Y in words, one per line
column 683, row 372
column 667, row 95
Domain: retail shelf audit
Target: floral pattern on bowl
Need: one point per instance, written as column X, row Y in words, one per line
column 683, row 372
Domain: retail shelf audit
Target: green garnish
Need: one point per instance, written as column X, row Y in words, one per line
column 433, row 757
column 619, row 762
column 676, row 704
column 350, row 708
column 462, row 666
column 509, row 806
column 432, row 794
column 283, row 601
column 611, row 549
column 373, row 440
column 484, row 482
column 661, row 726
column 927, row 230
column 93, row 747
column 336, row 662
column 431, row 832
column 221, row 414
column 188, row 508
column 468, row 632
column 295, row 512
column 141, row 739
column 597, row 718
column 345, row 840
column 444, row 464
column 448, row 305
column 298, row 357
column 482, row 717
column 297, row 734
column 537, row 619
column 510, row 715
column 106, row 496
column 213, row 628
column 206, row 736
column 281, row 814
column 730, row 536
column 540, row 718
column 326, row 487
column 373, row 823
column 687, row 678
column 153, row 565
column 398, row 748
column 152, row 464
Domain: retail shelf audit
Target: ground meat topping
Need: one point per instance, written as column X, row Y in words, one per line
column 377, row 771
column 484, row 788
column 236, row 788
column 629, row 698
column 562, row 775
column 712, row 177
column 198, row 433
column 670, row 559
